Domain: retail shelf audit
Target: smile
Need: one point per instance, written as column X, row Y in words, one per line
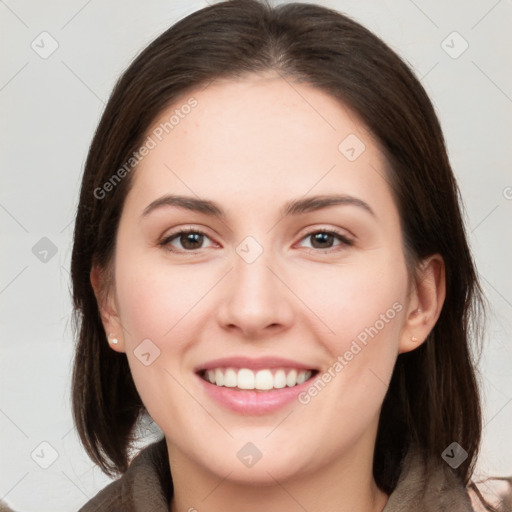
column 262, row 380
column 251, row 386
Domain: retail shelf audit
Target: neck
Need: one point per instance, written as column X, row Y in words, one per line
column 345, row 485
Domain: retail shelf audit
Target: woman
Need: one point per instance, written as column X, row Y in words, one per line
column 270, row 262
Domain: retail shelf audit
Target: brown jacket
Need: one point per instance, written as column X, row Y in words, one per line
column 147, row 487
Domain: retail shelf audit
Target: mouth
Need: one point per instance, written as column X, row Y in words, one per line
column 249, row 386
column 261, row 380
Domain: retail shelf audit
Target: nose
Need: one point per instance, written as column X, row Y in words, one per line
column 256, row 301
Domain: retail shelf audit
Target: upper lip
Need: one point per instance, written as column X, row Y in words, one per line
column 253, row 363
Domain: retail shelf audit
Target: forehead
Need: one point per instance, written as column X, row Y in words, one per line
column 262, row 139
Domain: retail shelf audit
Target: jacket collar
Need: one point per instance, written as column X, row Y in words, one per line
column 427, row 485
column 147, row 485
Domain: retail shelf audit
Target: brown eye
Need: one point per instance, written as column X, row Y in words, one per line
column 324, row 239
column 190, row 240
column 320, row 240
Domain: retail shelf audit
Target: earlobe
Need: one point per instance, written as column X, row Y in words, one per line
column 425, row 304
column 113, row 339
column 107, row 309
column 115, row 343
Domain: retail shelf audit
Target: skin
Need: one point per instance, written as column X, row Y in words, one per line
column 251, row 145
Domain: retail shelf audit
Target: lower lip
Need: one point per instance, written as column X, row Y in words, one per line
column 251, row 401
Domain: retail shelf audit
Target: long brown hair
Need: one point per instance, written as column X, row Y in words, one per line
column 433, row 398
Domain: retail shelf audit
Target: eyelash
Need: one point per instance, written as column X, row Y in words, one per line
column 342, row 238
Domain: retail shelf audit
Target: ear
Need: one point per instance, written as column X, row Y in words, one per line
column 108, row 310
column 425, row 303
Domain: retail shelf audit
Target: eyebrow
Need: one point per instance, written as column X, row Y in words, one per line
column 294, row 207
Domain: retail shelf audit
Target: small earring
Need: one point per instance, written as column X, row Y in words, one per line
column 414, row 339
column 113, row 340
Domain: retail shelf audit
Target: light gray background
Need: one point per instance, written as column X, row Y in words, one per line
column 50, row 108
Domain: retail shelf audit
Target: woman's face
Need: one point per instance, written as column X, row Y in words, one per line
column 278, row 288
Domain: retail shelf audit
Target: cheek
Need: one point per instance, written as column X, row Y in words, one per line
column 366, row 312
column 160, row 303
column 155, row 299
column 156, row 303
column 360, row 301
column 369, row 327
column 364, row 308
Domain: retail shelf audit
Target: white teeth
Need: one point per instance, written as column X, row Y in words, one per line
column 291, row 379
column 245, row 379
column 262, row 380
column 301, row 377
column 230, row 378
column 280, row 379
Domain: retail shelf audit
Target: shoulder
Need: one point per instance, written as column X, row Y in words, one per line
column 428, row 485
column 4, row 507
column 109, row 498
column 146, row 485
column 496, row 491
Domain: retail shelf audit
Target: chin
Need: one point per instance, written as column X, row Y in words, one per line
column 274, row 465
